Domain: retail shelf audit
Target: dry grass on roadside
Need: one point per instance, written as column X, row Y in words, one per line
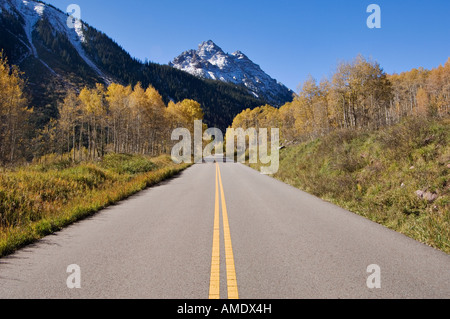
column 40, row 199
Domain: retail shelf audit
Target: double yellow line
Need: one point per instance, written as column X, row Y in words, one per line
column 214, row 286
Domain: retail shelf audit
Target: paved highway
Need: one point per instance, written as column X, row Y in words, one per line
column 226, row 231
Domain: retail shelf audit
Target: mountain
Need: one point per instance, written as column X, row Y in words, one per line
column 55, row 57
column 209, row 61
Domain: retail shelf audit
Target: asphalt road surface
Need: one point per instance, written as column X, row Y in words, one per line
column 226, row 231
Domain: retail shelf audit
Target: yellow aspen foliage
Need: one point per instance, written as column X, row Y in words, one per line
column 423, row 102
column 14, row 112
column 186, row 112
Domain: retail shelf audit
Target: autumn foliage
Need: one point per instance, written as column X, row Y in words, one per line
column 359, row 95
column 14, row 112
column 116, row 119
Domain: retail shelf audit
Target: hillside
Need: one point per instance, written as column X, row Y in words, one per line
column 398, row 176
column 56, row 58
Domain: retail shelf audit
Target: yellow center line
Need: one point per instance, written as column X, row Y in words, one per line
column 214, row 285
column 229, row 256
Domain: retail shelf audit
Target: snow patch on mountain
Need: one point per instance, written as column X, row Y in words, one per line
column 32, row 11
column 78, row 26
column 28, row 13
column 209, row 61
column 39, row 8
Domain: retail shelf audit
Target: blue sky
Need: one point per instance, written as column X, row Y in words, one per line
column 289, row 39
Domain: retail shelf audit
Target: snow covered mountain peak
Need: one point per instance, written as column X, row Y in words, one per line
column 209, row 47
column 209, row 61
column 58, row 55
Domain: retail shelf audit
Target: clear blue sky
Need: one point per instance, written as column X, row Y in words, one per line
column 289, row 39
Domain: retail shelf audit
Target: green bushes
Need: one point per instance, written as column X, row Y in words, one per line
column 127, row 164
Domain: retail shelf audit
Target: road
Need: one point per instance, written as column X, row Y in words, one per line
column 226, row 231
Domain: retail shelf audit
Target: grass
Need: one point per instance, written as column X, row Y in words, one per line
column 376, row 174
column 41, row 199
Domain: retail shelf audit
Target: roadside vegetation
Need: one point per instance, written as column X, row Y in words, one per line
column 40, row 199
column 398, row 176
column 76, row 164
column 375, row 143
